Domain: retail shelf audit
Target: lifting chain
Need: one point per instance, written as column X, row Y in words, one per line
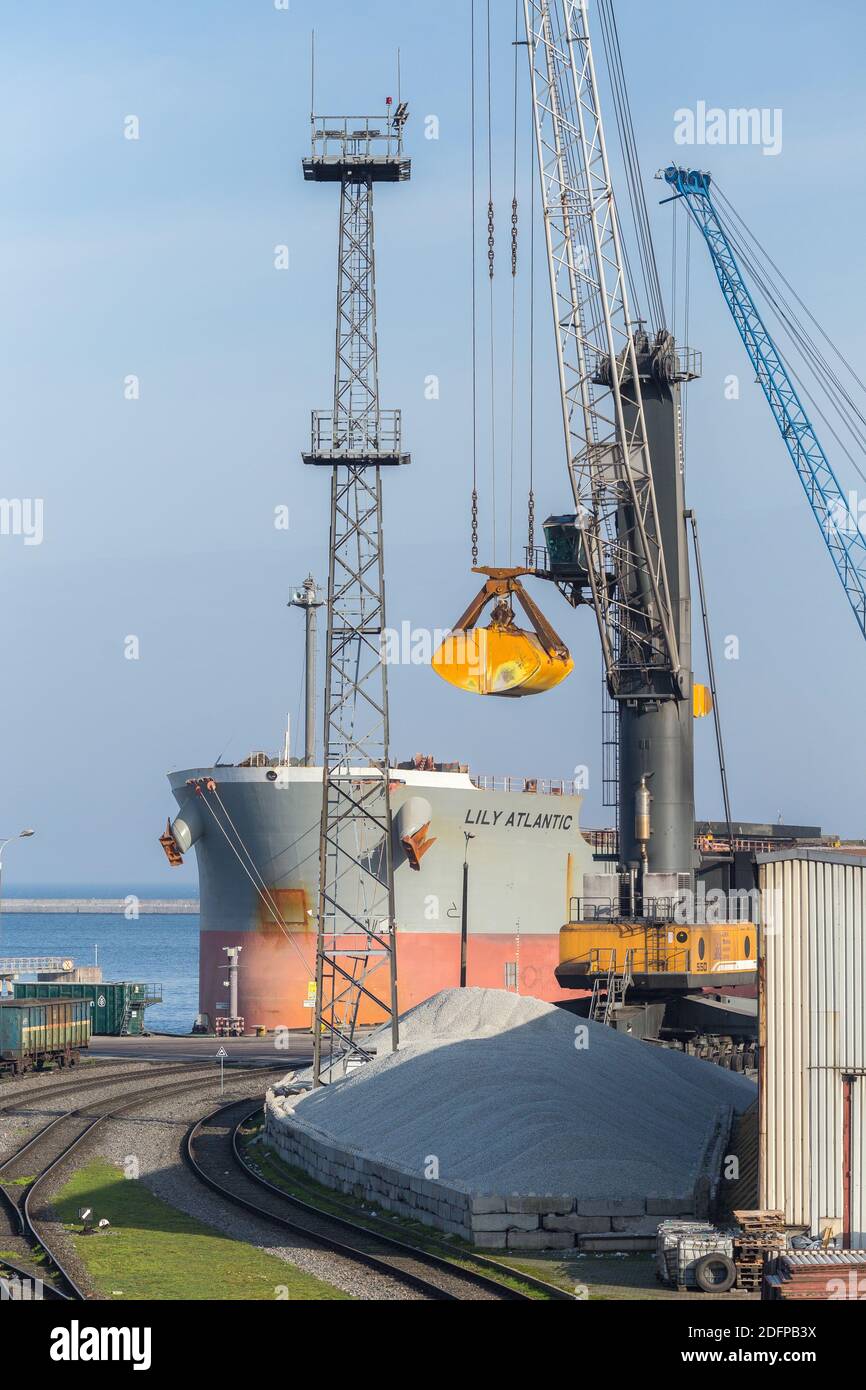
column 474, row 527
column 514, row 236
column 490, row 238
column 531, row 527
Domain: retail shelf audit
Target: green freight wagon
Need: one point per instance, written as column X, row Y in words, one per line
column 116, row 1007
column 36, row 1031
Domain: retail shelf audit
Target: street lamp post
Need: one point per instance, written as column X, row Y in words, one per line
column 22, row 835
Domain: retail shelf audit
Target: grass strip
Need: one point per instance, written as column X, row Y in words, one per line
column 152, row 1251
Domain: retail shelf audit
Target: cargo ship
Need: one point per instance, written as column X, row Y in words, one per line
column 254, row 829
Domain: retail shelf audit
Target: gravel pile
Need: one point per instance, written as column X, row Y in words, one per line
column 513, row 1095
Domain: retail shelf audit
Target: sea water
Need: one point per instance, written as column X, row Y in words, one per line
column 160, row 950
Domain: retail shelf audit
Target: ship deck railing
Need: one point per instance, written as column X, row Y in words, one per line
column 529, row 786
column 533, row 786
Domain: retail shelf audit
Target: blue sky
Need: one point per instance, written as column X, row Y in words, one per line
column 155, row 258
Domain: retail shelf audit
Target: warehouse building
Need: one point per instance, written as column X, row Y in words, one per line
column 812, row 1033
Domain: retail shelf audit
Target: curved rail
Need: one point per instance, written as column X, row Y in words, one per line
column 541, row 1286
column 23, row 1209
column 29, row 1276
column 397, row 1259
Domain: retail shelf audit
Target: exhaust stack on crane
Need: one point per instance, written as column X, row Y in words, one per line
column 656, row 727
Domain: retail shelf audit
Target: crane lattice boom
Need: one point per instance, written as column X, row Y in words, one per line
column 843, row 537
column 605, row 429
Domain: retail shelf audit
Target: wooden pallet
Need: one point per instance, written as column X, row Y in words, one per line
column 762, row 1239
column 760, row 1220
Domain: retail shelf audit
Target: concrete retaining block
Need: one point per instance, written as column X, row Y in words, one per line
column 578, row 1225
column 504, row 1221
column 635, row 1225
column 612, row 1206
column 490, row 1240
column 540, row 1205
column 492, row 1221
column 540, row 1240
column 482, row 1205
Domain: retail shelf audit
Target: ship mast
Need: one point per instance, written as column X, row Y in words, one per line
column 356, row 961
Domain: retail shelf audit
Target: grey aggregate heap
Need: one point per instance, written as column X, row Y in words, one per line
column 510, row 1094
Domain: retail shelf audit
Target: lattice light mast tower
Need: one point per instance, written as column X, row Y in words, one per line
column 356, row 959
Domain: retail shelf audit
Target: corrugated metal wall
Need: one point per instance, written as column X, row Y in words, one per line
column 813, row 1026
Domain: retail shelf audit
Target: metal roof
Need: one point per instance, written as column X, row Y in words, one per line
column 818, row 856
column 760, row 830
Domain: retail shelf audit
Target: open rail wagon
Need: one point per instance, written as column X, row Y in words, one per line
column 36, row 1031
column 116, row 1007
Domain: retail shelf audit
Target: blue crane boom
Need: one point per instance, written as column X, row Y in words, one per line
column 841, row 532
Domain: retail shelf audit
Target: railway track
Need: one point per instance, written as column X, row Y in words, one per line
column 212, row 1149
column 20, row 1281
column 112, row 1073
column 51, row 1147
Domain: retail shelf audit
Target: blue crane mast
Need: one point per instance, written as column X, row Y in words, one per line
column 840, row 530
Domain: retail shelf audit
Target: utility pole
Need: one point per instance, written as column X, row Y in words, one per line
column 307, row 597
column 464, row 912
column 356, row 957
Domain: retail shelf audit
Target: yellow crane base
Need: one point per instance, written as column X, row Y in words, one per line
column 659, row 957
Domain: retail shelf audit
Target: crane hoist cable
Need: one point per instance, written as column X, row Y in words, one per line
column 815, row 371
column 831, row 507
column 502, row 658
column 673, row 263
column 632, row 167
column 514, row 225
column 686, row 306
column 491, row 256
column 472, row 122
column 530, row 519
column 768, row 258
column 749, row 250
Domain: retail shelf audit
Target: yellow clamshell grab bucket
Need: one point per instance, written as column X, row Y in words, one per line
column 502, row 659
